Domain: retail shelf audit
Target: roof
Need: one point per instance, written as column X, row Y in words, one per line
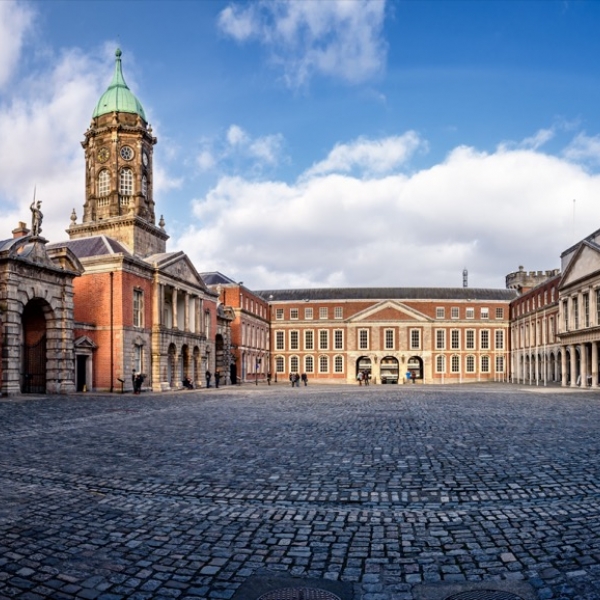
column 98, row 245
column 118, row 97
column 388, row 294
column 216, row 278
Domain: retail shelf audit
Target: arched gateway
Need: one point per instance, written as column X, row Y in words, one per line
column 36, row 316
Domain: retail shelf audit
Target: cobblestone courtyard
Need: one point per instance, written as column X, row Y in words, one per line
column 393, row 490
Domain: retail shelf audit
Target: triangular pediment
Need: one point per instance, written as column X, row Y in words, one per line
column 389, row 311
column 84, row 342
column 178, row 266
column 584, row 264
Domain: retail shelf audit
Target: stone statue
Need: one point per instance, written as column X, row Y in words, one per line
column 36, row 218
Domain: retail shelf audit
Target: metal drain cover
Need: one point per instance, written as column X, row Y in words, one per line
column 484, row 595
column 301, row 594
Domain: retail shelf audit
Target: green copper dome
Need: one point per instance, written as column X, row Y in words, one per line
column 118, row 97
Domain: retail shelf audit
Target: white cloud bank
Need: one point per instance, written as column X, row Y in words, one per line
column 487, row 212
column 338, row 38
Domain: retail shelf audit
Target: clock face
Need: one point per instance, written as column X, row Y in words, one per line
column 103, row 154
column 126, row 153
column 145, row 159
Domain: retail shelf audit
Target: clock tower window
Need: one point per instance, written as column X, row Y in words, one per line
column 103, row 183
column 126, row 182
column 144, row 186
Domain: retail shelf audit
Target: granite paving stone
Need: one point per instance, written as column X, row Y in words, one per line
column 386, row 488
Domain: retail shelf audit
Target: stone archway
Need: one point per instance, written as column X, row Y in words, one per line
column 34, row 348
column 415, row 366
column 389, row 370
column 363, row 364
column 171, row 365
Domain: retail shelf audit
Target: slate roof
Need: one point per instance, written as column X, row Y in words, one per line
column 388, row 294
column 216, row 278
column 98, row 245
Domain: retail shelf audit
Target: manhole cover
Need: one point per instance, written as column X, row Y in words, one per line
column 484, row 595
column 299, row 594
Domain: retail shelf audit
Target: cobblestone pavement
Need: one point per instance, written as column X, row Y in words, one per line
column 387, row 487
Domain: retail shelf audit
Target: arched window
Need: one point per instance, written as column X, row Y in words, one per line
column 126, row 182
column 144, row 186
column 323, row 364
column 103, row 183
column 309, row 364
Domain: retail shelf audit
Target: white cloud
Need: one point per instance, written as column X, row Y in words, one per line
column 487, row 212
column 584, row 148
column 16, row 20
column 240, row 149
column 339, row 38
column 370, row 156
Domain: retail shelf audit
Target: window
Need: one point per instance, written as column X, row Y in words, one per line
column 308, row 313
column 323, row 313
column 294, row 364
column 338, row 364
column 485, row 364
column 309, row 364
column 552, row 295
column 338, row 312
column 470, row 339
column 389, row 339
column 338, row 339
column 485, row 313
column 484, row 339
column 363, row 339
column 455, row 364
column 323, row 339
column 440, row 363
column 126, row 182
column 279, row 340
column 323, row 364
column 144, row 186
column 279, row 364
column 586, row 310
column 103, row 183
column 499, row 313
column 455, row 339
column 138, row 308
column 470, row 364
column 552, row 330
column 499, row 339
column 440, row 339
column 454, row 314
column 294, row 340
column 499, row 364
column 576, row 312
column 566, row 314
column 294, row 314
column 470, row 313
column 279, row 314
column 138, row 355
column 415, row 339
column 440, row 312
column 309, row 339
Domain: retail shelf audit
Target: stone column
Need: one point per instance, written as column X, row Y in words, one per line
column 174, row 302
column 584, row 365
column 573, row 366
column 594, row 368
column 563, row 365
column 186, row 311
column 157, row 315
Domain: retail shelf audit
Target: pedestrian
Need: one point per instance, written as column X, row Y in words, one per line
column 304, row 378
column 208, row 376
column 366, row 377
column 359, row 377
column 292, row 379
column 413, row 377
column 217, row 378
column 269, row 378
column 139, row 380
column 407, row 376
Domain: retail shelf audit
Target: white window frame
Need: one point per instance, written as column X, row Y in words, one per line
column 338, row 363
column 294, row 314
column 308, row 313
column 309, row 339
column 104, row 183
column 415, row 333
column 138, row 308
column 338, row 339
column 280, row 340
column 389, row 339
column 363, row 339
column 440, row 312
column 323, row 339
column 323, row 363
column 440, row 363
column 294, row 339
column 338, row 312
column 279, row 314
column 323, row 312
column 440, row 339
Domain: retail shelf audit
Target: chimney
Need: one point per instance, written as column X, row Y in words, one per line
column 20, row 231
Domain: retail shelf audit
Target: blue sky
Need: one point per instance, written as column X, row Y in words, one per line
column 323, row 143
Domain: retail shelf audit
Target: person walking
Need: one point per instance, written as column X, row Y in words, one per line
column 217, row 378
column 208, row 376
column 304, row 378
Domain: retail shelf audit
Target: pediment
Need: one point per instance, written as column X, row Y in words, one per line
column 84, row 342
column 584, row 264
column 389, row 311
column 179, row 266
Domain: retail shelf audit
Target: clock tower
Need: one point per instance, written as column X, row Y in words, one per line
column 119, row 198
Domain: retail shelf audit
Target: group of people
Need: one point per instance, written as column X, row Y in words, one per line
column 295, row 379
column 209, row 377
column 363, row 377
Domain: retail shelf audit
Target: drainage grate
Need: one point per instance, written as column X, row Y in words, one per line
column 300, row 594
column 484, row 595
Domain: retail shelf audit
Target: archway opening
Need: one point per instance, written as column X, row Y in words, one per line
column 415, row 367
column 33, row 320
column 389, row 370
column 363, row 365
